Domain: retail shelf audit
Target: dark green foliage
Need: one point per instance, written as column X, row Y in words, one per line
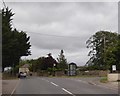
column 117, row 54
column 14, row 43
column 62, row 62
column 42, row 63
column 103, row 46
column 49, row 62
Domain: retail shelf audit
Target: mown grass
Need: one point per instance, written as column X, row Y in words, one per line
column 103, row 80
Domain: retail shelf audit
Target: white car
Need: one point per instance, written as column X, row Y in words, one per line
column 22, row 74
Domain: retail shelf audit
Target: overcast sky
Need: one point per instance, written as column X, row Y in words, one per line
column 55, row 26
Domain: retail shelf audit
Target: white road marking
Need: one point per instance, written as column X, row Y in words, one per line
column 68, row 91
column 53, row 83
column 62, row 88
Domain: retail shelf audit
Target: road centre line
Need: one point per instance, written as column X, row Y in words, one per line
column 61, row 88
column 68, row 91
column 50, row 82
column 53, row 83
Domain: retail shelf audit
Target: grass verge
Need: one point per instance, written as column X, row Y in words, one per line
column 104, row 80
column 78, row 76
column 6, row 76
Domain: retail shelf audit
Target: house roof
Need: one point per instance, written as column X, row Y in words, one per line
column 25, row 66
column 72, row 63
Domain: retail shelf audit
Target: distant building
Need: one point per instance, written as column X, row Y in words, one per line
column 24, row 68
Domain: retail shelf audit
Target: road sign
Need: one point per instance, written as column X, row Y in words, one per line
column 113, row 67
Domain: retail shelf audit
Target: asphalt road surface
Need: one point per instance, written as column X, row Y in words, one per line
column 45, row 85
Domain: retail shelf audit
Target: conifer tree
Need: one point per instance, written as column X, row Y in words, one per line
column 62, row 61
column 15, row 44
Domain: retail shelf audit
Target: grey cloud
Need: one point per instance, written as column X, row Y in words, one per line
column 80, row 20
column 49, row 42
column 42, row 13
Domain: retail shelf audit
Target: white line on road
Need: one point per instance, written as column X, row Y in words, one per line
column 68, row 91
column 59, row 86
column 53, row 83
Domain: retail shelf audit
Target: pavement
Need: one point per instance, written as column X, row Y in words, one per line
column 9, row 86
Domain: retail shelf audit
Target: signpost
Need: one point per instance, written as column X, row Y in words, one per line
column 113, row 68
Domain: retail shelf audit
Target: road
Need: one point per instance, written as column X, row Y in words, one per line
column 45, row 85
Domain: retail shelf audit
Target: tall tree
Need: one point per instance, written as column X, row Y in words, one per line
column 117, row 54
column 14, row 43
column 43, row 63
column 6, row 36
column 62, row 61
column 102, row 45
column 49, row 62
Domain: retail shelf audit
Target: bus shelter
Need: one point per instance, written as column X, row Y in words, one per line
column 72, row 69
